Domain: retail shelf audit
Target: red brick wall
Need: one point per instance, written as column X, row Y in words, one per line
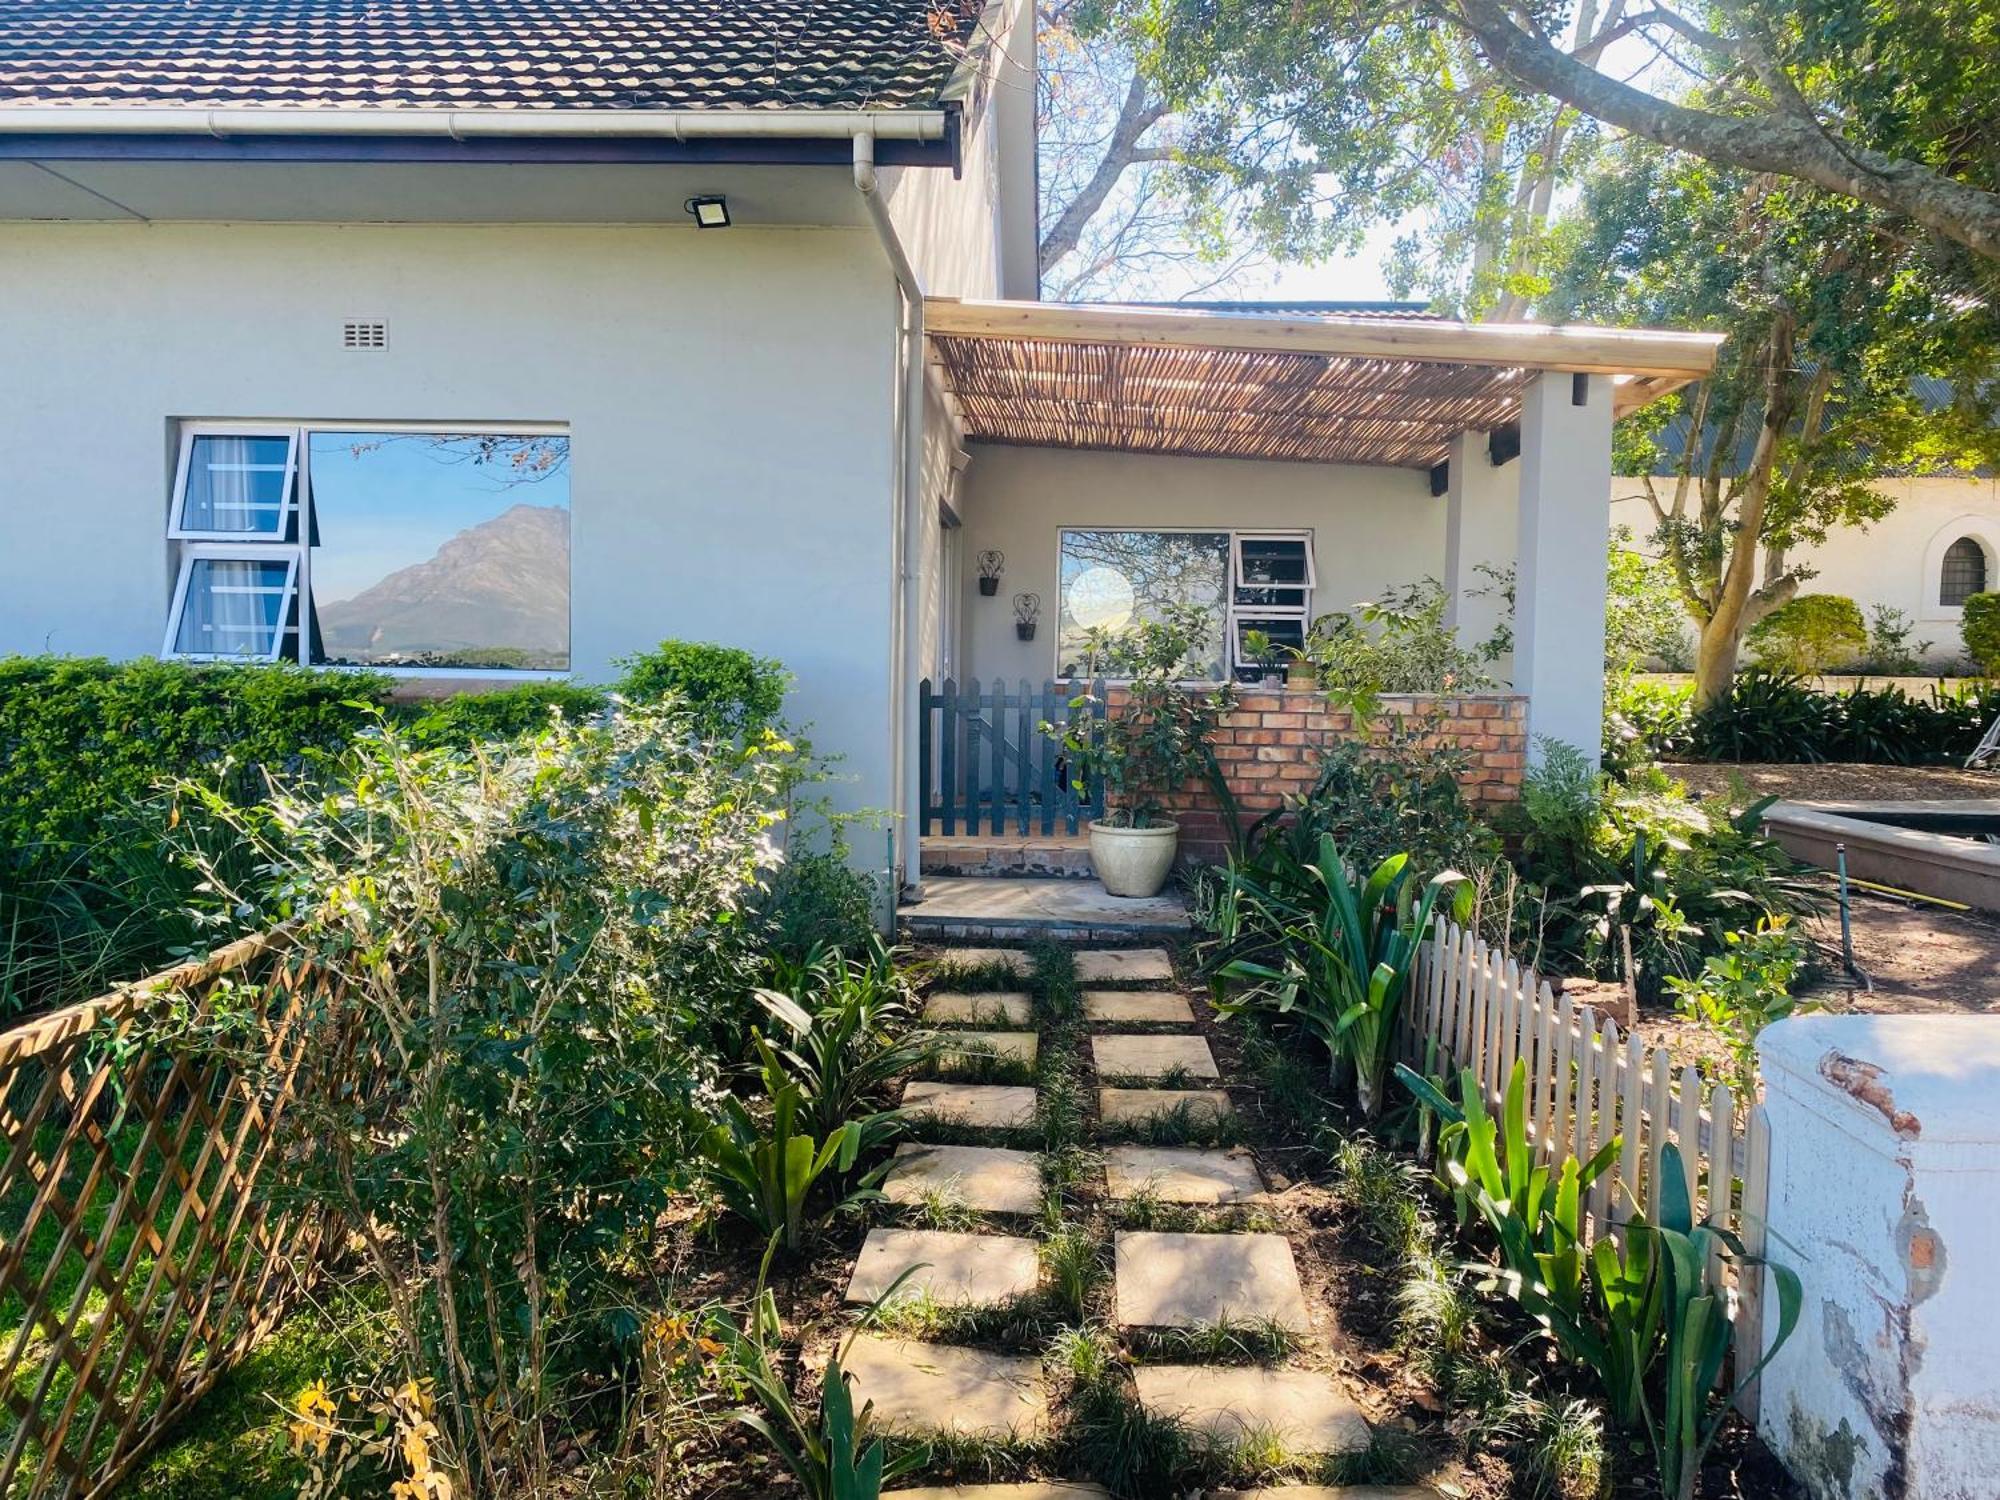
column 1269, row 745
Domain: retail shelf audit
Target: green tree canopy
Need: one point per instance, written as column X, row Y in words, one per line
column 1853, row 354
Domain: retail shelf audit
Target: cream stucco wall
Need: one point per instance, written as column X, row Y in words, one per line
column 1896, row 561
column 1372, row 528
column 729, row 397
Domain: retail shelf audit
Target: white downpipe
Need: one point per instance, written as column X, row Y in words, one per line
column 467, row 124
column 905, row 669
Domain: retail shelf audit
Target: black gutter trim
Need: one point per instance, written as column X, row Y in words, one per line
column 503, row 150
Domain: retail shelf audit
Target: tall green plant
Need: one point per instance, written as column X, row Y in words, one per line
column 1155, row 741
column 766, row 1170
column 1334, row 951
column 851, row 1037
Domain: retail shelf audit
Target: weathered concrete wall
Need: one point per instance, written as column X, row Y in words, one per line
column 1885, row 1198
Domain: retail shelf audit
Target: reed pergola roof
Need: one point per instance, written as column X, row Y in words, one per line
column 1328, row 389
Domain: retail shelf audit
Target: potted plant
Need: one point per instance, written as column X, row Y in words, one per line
column 1260, row 656
column 1155, row 743
column 1301, row 671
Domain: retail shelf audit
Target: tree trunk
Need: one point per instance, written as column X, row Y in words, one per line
column 1716, row 650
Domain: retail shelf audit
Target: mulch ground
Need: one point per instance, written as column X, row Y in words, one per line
column 1838, row 783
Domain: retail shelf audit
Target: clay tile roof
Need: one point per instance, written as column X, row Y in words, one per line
column 505, row 54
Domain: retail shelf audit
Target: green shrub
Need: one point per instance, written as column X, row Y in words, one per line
column 1892, row 651
column 1645, row 619
column 1810, row 633
column 538, row 938
column 817, row 900
column 1399, row 643
column 730, row 694
column 1980, row 626
column 507, row 714
column 1778, row 717
column 1646, row 721
column 1744, row 989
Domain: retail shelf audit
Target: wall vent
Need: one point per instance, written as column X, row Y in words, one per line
column 363, row 333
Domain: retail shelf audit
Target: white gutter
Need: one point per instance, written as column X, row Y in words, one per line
column 467, row 124
column 904, row 667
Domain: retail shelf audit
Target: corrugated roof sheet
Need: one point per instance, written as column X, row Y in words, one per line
column 466, row 54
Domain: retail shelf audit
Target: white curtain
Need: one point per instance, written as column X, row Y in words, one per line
column 228, row 477
column 234, row 606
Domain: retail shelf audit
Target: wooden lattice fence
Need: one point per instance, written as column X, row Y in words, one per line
column 137, row 1263
column 1474, row 1007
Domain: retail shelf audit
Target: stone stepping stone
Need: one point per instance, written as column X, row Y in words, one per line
column 1196, row 1280
column 961, row 1050
column 959, row 1008
column 983, row 1106
column 1013, row 960
column 1056, row 1491
column 1182, row 1174
column 1124, row 966
column 1331, row 1492
column 925, row 1388
column 1152, row 1056
column 1302, row 1408
column 1135, row 1106
column 991, row 1179
column 1113, row 1007
column 955, row 1269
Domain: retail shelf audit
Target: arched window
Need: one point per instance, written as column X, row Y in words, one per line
column 1964, row 571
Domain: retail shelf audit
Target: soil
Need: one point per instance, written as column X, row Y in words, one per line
column 1838, row 783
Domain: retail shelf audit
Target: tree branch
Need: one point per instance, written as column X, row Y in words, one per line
column 1772, row 142
column 1136, row 116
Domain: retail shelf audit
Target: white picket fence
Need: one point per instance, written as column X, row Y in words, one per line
column 1474, row 1007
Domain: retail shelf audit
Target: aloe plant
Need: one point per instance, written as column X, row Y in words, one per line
column 766, row 1171
column 834, row 1457
column 1335, row 953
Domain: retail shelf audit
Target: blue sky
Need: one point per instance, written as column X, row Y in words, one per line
column 401, row 497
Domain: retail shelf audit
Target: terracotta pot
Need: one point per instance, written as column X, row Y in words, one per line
column 1133, row 861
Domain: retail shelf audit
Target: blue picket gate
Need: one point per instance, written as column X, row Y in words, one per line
column 988, row 769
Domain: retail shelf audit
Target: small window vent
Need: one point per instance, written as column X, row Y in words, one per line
column 364, row 335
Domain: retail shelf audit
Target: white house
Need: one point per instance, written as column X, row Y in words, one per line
column 504, row 338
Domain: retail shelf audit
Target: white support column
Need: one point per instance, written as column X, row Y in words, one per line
column 1479, row 528
column 1564, row 531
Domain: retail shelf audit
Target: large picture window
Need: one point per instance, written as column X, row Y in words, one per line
column 1244, row 580
column 399, row 549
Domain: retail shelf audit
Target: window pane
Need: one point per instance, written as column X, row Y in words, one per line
column 236, row 486
column 1964, row 571
column 1115, row 578
column 440, row 550
column 233, row 607
column 1284, row 632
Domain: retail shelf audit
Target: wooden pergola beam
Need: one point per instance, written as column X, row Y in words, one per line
column 1658, row 353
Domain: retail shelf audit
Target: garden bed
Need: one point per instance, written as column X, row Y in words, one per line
column 1830, row 782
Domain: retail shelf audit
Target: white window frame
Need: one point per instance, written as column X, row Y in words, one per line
column 1232, row 614
column 195, row 552
column 291, row 515
column 298, row 550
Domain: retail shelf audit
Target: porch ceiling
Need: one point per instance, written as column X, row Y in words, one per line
column 1319, row 389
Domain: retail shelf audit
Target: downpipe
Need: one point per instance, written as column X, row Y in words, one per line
column 903, row 865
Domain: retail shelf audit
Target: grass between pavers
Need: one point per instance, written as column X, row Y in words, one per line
column 1100, row 1432
column 1183, row 1124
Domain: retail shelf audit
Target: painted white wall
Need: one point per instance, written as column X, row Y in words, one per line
column 1373, row 528
column 950, row 226
column 1885, row 1199
column 1896, row 561
column 1563, row 532
column 729, row 399
column 1482, row 523
column 1014, row 112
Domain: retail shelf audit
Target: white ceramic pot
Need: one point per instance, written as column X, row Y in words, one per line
column 1133, row 861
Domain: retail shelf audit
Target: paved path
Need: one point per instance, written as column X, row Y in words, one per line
column 1156, row 1075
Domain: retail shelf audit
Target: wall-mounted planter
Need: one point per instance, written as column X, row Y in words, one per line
column 989, row 586
column 1024, row 630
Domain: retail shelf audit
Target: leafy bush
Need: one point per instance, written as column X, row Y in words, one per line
column 1399, row 643
column 1158, row 739
column 1646, row 721
column 507, row 714
column 1645, row 620
column 1979, row 625
column 1606, row 863
column 1892, row 651
column 729, row 693
column 817, row 900
column 527, row 941
column 1778, row 717
column 849, row 1035
column 1810, row 633
column 1331, row 950
column 1745, row 988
